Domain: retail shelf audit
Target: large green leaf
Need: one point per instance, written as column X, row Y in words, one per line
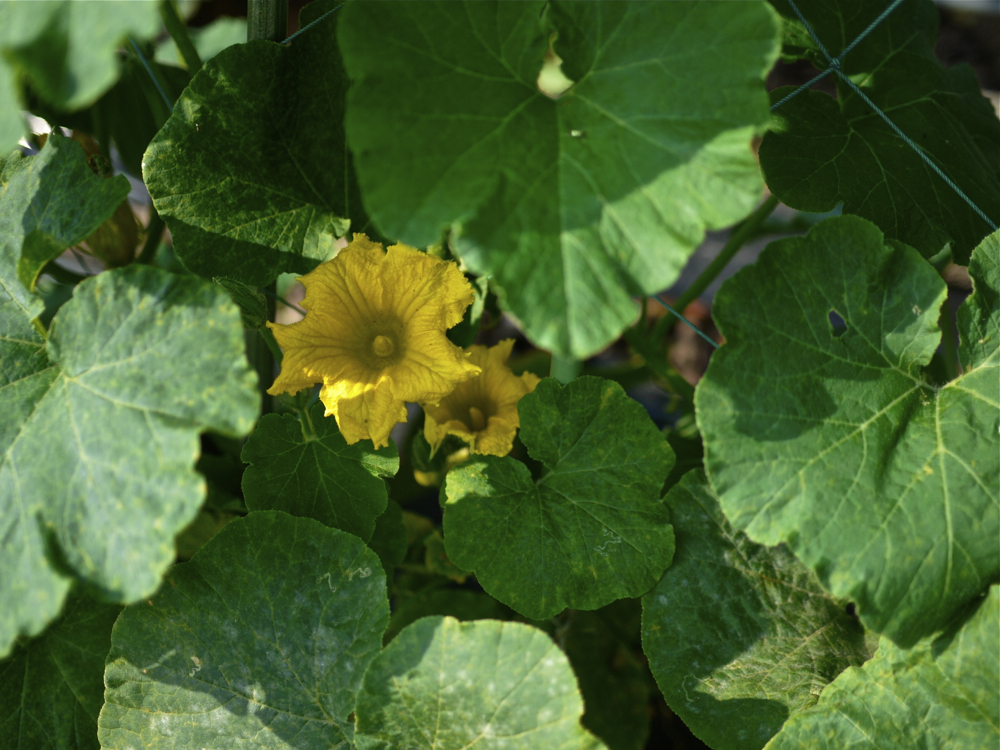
column 885, row 484
column 52, row 687
column 821, row 152
column 572, row 206
column 50, row 202
column 446, row 685
column 100, row 435
column 301, row 464
column 260, row 641
column 740, row 636
column 939, row 695
column 251, row 172
column 592, row 529
column 67, row 50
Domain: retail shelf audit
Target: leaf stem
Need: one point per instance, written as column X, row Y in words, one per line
column 565, row 369
column 177, row 31
column 737, row 239
column 154, row 232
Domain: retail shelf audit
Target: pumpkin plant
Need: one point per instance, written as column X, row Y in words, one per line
column 421, row 506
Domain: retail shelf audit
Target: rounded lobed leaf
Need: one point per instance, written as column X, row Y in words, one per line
column 97, row 454
column 739, row 637
column 591, row 530
column 571, row 206
column 442, row 684
column 251, row 172
column 832, row 440
column 303, row 466
column 260, row 640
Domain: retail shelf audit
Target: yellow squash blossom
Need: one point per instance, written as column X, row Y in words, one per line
column 482, row 411
column 374, row 336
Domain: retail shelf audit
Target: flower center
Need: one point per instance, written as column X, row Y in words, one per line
column 478, row 421
column 383, row 346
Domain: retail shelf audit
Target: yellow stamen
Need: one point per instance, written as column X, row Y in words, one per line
column 382, row 346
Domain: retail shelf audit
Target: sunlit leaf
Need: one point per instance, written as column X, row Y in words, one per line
column 100, row 436
column 447, row 685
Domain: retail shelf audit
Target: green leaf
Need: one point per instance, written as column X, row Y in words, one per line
column 740, row 636
column 304, row 466
column 52, row 687
column 68, row 52
column 99, row 439
column 591, row 530
column 821, row 152
column 388, row 540
column 50, row 202
column 576, row 205
column 251, row 172
column 260, row 641
column 446, row 685
column 884, row 484
column 940, row 694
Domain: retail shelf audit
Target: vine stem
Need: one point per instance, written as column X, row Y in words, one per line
column 565, row 369
column 737, row 240
column 177, row 31
column 266, row 19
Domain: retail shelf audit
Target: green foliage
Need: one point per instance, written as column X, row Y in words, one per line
column 303, row 466
column 884, row 484
column 446, row 684
column 253, row 184
column 66, row 50
column 50, row 687
column 820, row 152
column 571, row 206
column 591, row 530
column 941, row 693
column 833, row 481
column 262, row 638
column 104, row 412
column 740, row 636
